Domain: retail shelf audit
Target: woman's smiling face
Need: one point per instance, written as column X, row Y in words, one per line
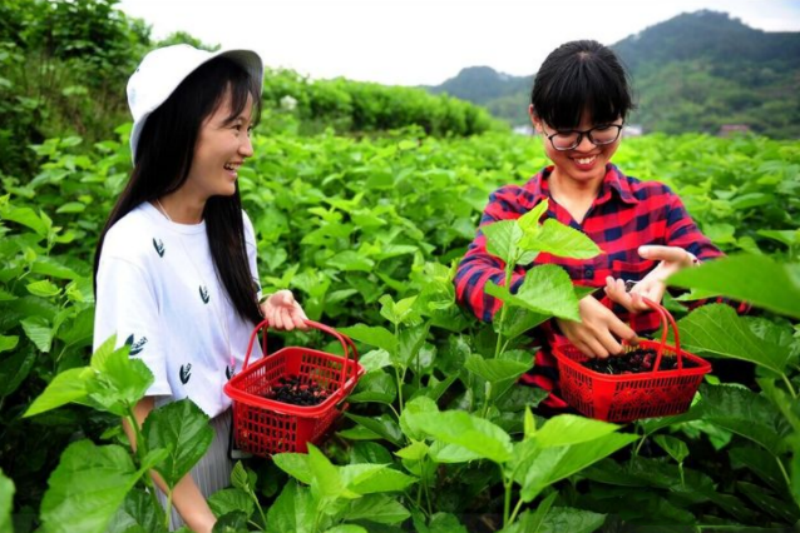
column 584, row 163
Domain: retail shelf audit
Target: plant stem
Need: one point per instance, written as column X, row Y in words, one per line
column 487, row 400
column 516, row 511
column 168, row 511
column 498, row 349
column 507, row 502
column 789, row 386
column 783, row 471
column 140, row 448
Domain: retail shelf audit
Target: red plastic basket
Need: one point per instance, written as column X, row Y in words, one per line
column 264, row 427
column 623, row 398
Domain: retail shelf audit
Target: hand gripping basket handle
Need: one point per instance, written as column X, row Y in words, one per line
column 667, row 321
column 346, row 343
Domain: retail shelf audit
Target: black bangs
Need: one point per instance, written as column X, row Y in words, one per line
column 581, row 76
column 241, row 87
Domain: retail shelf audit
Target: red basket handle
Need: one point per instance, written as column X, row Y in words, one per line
column 345, row 340
column 667, row 320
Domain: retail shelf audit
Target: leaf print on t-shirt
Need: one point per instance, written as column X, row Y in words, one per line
column 186, row 373
column 229, row 371
column 159, row 246
column 136, row 347
column 204, row 294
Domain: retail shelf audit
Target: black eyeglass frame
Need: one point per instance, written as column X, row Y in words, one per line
column 587, row 133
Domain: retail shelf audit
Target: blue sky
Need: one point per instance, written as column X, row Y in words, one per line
column 412, row 42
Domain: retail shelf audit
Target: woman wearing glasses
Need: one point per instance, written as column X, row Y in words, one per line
column 579, row 102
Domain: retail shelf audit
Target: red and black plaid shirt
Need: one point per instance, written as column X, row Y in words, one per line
column 626, row 214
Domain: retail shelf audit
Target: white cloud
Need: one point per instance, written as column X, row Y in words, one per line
column 410, row 42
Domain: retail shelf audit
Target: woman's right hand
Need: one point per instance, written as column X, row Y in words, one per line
column 597, row 333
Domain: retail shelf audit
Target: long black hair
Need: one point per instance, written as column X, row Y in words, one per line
column 581, row 76
column 163, row 159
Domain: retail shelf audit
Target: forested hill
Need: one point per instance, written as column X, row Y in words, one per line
column 695, row 72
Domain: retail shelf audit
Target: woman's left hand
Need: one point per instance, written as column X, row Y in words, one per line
column 283, row 312
column 652, row 286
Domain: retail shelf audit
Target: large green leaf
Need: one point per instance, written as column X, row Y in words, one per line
column 745, row 413
column 396, row 312
column 422, row 404
column 86, row 489
column 294, row 510
column 546, row 290
column 381, row 479
column 374, row 336
column 674, row 446
column 231, row 500
column 564, row 430
column 717, row 329
column 495, row 370
column 296, row 465
column 383, row 425
column 502, row 238
column 138, row 514
column 757, row 279
column 785, row 511
column 410, row 343
column 377, row 387
column 327, row 482
column 119, row 381
column 182, row 428
column 233, row 522
column 471, row 432
column 558, row 520
column 537, row 468
column 560, row 240
column 44, row 288
column 346, row 528
column 351, row 261
column 762, row 463
column 6, row 503
column 378, row 508
column 68, row 386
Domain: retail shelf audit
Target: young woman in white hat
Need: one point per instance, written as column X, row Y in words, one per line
column 175, row 269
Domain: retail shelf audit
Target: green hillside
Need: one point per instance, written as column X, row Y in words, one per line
column 695, row 72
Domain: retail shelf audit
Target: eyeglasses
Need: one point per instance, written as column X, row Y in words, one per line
column 598, row 136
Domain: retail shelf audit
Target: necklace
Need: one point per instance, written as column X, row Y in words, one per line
column 217, row 312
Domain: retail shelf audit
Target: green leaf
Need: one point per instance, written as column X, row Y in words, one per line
column 27, row 217
column 782, row 510
column 375, row 360
column 8, row 342
column 44, row 288
column 531, row 522
column 560, row 240
column 520, row 321
column 385, row 480
column 6, row 503
column 138, row 514
column 119, row 382
column 410, row 343
column 529, row 222
column 675, row 447
column 182, row 428
column 14, row 369
column 396, row 312
column 378, row 508
column 374, row 336
column 495, row 370
column 422, row 404
column 86, row 489
column 502, row 238
column 546, row 290
column 536, row 468
column 377, row 387
column 565, row 430
column 68, row 386
column 756, row 279
column 327, row 482
column 351, row 261
column 294, row 510
column 745, row 413
column 233, row 522
column 296, row 465
column 762, row 463
column 38, row 330
column 561, row 519
column 227, row 501
column 383, row 425
column 462, row 429
column 717, row 329
column 346, row 528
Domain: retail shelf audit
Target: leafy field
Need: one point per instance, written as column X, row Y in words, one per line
column 438, row 437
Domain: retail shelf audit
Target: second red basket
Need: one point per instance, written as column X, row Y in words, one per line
column 264, row 427
column 624, row 398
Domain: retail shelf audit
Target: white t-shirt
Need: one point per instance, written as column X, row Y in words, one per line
column 159, row 293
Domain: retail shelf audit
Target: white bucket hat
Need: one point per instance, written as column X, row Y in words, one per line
column 162, row 70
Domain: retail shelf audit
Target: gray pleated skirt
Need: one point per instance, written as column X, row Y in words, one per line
column 213, row 471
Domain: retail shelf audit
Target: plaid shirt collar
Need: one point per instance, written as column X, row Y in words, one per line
column 614, row 180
